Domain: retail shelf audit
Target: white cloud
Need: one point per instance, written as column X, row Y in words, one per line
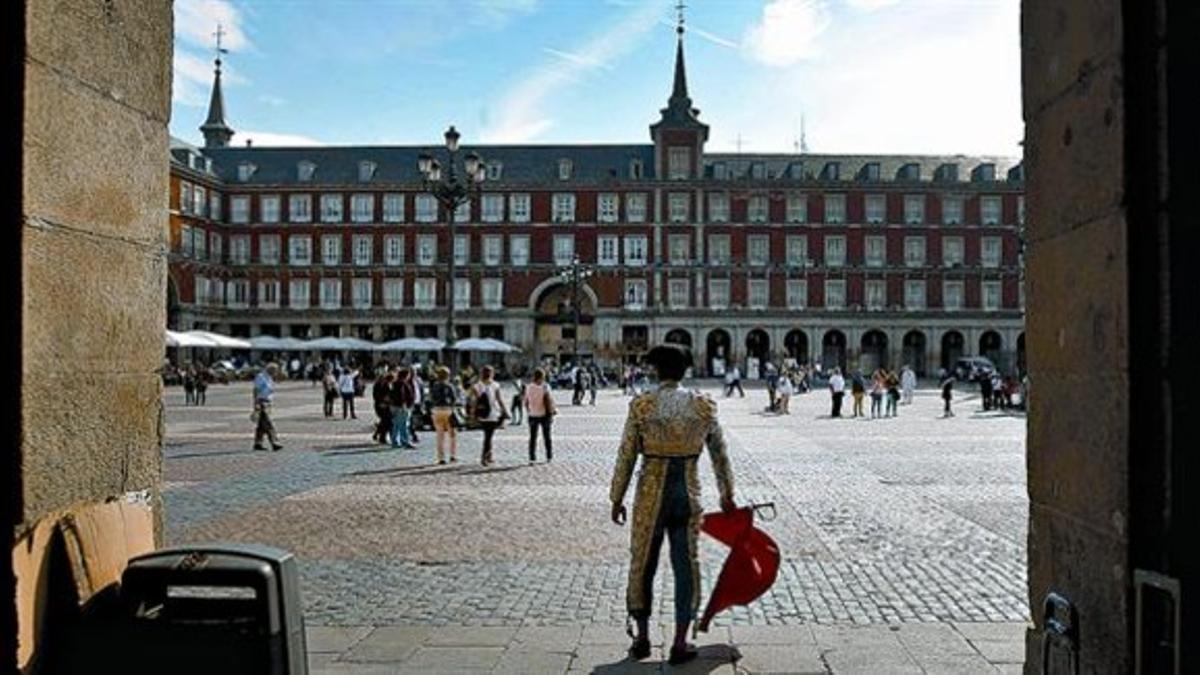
column 192, row 78
column 522, row 114
column 692, row 29
column 871, row 5
column 270, row 138
column 196, row 22
column 787, row 31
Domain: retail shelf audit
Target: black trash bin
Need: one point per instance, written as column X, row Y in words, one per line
column 221, row 608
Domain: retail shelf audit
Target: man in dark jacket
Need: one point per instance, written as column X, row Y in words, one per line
column 379, row 393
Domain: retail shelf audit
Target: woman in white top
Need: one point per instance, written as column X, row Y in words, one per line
column 785, row 390
column 540, row 404
column 346, row 388
column 488, row 409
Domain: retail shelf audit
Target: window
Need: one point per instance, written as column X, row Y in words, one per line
column 518, row 249
column 835, row 251
column 238, row 293
column 635, row 207
column 635, row 169
column 952, row 251
column 185, row 196
column 495, row 170
column 462, row 249
column 876, row 292
column 493, row 293
column 914, row 209
column 835, row 294
column 718, row 249
column 393, row 293
column 245, row 171
column 493, row 249
column 720, row 171
column 393, row 250
column 758, row 294
column 300, row 249
column 564, row 249
column 758, row 170
column 331, row 293
column 758, row 209
column 914, row 294
column 635, row 250
column 425, row 293
column 758, row 248
column 677, row 203
column 635, row 293
column 239, row 209
column 875, row 251
column 331, row 249
column 565, row 168
column 718, row 207
column 718, row 293
column 361, row 293
column 606, row 208
column 797, row 250
column 492, row 208
column 305, row 171
column 678, row 293
column 606, row 250
column 914, row 251
column 564, row 208
column 268, row 294
column 427, row 209
column 679, row 249
column 298, row 293
column 797, row 293
column 185, row 241
column 363, row 249
column 300, row 208
column 462, row 293
column 952, row 210
column 331, row 208
column 835, row 208
column 366, row 171
column 268, row 206
column 679, row 163
column 239, row 249
column 990, row 296
column 952, row 295
column 214, row 206
column 797, row 208
column 199, row 200
column 201, row 243
column 214, row 247
column 393, row 208
column 462, row 214
column 518, row 208
column 989, row 210
column 876, row 209
column 426, row 249
column 362, row 208
column 990, row 252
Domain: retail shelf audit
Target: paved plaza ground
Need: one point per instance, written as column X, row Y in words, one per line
column 903, row 539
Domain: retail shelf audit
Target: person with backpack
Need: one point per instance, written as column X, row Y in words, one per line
column 488, row 409
column 379, row 393
column 540, row 404
column 858, row 389
column 892, row 382
column 401, row 399
column 331, row 389
column 444, row 399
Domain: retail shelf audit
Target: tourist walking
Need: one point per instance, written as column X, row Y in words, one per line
column 444, row 398
column 488, row 410
column 202, row 386
column 733, row 380
column 380, row 392
column 264, row 394
column 518, row 402
column 876, row 395
column 669, row 428
column 331, row 389
column 593, row 384
column 908, row 384
column 892, row 382
column 784, row 389
column 418, row 402
column 189, row 386
column 837, row 390
column 346, row 386
column 402, row 398
column 947, row 392
column 578, row 377
column 772, row 385
column 540, row 403
column 858, row 390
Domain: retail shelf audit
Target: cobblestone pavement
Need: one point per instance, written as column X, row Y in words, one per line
column 890, row 522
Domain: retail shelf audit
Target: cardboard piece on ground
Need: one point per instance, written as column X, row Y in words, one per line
column 101, row 539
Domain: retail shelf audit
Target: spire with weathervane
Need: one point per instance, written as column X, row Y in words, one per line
column 216, row 132
column 679, row 113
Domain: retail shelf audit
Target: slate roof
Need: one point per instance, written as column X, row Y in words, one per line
column 854, row 167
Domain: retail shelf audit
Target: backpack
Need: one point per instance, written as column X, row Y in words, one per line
column 483, row 404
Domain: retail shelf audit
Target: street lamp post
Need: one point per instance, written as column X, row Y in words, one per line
column 451, row 192
column 574, row 274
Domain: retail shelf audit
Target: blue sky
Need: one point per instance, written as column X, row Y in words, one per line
column 866, row 76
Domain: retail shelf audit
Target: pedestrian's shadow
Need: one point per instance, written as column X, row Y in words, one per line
column 218, row 453
column 417, row 470
column 709, row 658
column 490, row 469
column 358, row 450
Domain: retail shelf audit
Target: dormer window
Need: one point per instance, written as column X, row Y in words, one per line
column 245, row 171
column 495, row 170
column 984, row 173
column 946, row 172
column 565, row 168
column 758, row 171
column 208, row 165
column 1017, row 173
column 635, row 169
column 719, row 171
column 909, row 172
column 831, row 171
column 366, row 171
column 191, row 160
column 795, row 170
column 870, row 171
column 679, row 163
column 305, row 171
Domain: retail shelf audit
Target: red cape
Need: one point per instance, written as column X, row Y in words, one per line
column 751, row 567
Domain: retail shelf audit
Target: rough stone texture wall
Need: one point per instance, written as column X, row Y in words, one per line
column 1077, row 325
column 97, row 103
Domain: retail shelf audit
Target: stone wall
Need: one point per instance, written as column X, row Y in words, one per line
column 93, row 268
column 1077, row 298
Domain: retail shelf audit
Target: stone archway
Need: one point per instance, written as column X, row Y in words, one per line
column 718, row 350
column 833, row 350
column 679, row 336
column 758, row 352
column 953, row 344
column 874, row 354
column 796, row 345
column 173, row 304
column 1021, row 367
column 913, row 351
column 554, row 311
column 991, row 346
